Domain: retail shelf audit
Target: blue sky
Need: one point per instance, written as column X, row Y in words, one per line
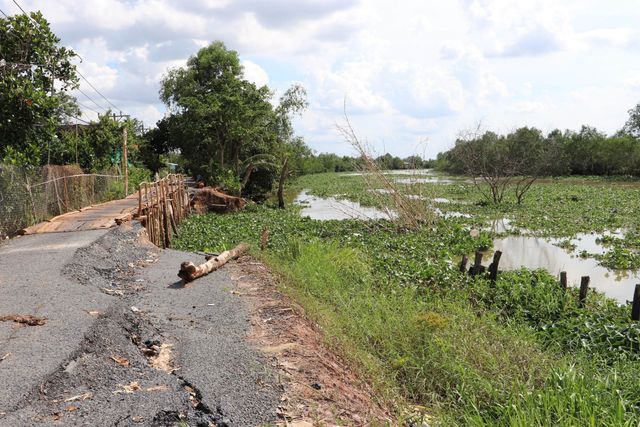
column 414, row 74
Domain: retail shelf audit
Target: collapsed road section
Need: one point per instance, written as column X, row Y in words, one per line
column 120, row 340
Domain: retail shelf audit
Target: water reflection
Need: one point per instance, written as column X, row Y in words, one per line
column 331, row 208
column 427, row 180
column 536, row 252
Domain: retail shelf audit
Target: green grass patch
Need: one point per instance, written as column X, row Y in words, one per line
column 521, row 352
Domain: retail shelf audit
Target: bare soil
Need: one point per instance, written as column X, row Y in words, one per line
column 320, row 388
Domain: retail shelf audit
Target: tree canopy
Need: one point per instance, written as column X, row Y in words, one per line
column 35, row 74
column 225, row 126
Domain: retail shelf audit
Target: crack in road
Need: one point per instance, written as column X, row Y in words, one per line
column 76, row 353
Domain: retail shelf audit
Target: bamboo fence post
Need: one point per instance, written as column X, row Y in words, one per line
column 147, row 211
column 156, row 200
column 165, row 214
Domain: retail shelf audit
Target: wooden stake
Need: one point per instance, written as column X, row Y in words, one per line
column 563, row 280
column 635, row 308
column 477, row 264
column 493, row 268
column 584, row 288
column 463, row 264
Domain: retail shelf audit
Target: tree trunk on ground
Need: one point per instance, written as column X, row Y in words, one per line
column 283, row 176
column 189, row 272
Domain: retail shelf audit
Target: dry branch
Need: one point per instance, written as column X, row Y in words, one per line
column 189, row 271
column 26, row 319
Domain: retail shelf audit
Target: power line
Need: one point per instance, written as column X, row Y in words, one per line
column 87, row 107
column 91, row 99
column 5, row 15
column 77, row 118
column 97, row 91
column 20, row 7
column 77, row 71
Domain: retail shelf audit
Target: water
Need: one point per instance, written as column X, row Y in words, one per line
column 427, row 180
column 416, row 176
column 408, row 196
column 331, row 208
column 537, row 252
column 395, row 172
column 517, row 251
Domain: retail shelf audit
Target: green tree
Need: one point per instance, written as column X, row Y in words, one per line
column 31, row 105
column 225, row 127
column 212, row 107
column 632, row 125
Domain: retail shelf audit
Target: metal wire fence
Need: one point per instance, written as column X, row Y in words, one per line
column 32, row 195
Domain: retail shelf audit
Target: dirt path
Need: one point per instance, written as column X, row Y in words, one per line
column 125, row 343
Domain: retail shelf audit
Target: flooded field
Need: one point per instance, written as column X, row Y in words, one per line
column 331, row 208
column 544, row 253
column 519, row 251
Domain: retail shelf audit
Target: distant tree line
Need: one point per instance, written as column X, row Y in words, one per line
column 528, row 150
column 329, row 162
column 500, row 164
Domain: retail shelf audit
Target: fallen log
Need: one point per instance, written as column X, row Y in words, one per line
column 189, row 271
column 209, row 200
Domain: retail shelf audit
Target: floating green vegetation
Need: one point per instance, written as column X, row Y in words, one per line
column 560, row 207
column 520, row 352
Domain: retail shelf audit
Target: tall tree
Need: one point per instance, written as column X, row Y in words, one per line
column 632, row 126
column 216, row 112
column 35, row 73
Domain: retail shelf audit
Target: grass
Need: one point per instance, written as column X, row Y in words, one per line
column 520, row 352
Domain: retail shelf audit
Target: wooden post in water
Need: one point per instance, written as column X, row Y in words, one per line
column 635, row 308
column 563, row 281
column 463, row 264
column 493, row 268
column 477, row 264
column 584, row 288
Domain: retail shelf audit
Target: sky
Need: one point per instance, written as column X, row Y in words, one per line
column 413, row 75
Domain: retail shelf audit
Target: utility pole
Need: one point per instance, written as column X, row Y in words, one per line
column 124, row 159
column 125, row 162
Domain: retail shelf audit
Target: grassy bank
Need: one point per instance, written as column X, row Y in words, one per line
column 521, row 352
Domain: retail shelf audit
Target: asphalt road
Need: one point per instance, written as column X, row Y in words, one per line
column 125, row 335
column 31, row 282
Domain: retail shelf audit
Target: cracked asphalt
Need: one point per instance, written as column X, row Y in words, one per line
column 111, row 302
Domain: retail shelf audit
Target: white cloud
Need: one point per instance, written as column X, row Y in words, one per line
column 410, row 70
column 255, row 73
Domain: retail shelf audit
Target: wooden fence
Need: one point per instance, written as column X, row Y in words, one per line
column 162, row 205
column 477, row 269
